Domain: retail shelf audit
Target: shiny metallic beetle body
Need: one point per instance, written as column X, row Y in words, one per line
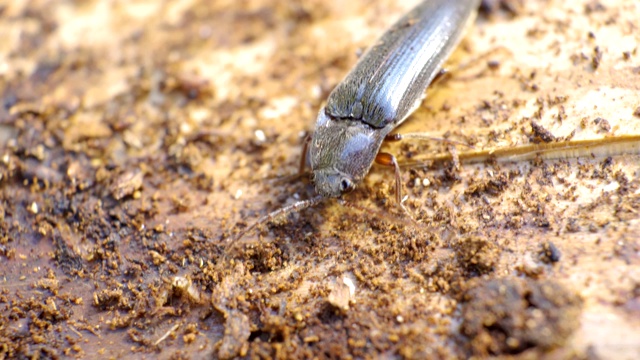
column 385, row 87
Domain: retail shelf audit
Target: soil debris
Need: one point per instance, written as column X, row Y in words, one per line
column 511, row 315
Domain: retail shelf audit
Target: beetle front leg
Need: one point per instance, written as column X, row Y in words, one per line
column 387, row 159
column 303, row 158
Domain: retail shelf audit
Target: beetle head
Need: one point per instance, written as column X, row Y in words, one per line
column 341, row 153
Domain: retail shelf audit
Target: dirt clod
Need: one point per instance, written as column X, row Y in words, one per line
column 510, row 315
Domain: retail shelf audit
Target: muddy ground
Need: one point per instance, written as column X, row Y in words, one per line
column 138, row 138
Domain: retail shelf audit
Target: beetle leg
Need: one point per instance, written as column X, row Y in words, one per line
column 387, row 159
column 442, row 75
column 454, row 157
column 303, row 158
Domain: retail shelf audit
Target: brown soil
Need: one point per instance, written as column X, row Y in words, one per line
column 136, row 139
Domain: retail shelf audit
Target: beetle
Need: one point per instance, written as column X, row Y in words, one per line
column 386, row 85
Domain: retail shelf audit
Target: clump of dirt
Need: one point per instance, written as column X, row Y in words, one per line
column 549, row 253
column 511, row 315
column 477, row 255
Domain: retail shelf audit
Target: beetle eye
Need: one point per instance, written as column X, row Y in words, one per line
column 345, row 185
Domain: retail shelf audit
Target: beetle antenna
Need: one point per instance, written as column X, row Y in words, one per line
column 284, row 211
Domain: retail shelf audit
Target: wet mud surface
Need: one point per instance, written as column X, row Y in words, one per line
column 137, row 139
